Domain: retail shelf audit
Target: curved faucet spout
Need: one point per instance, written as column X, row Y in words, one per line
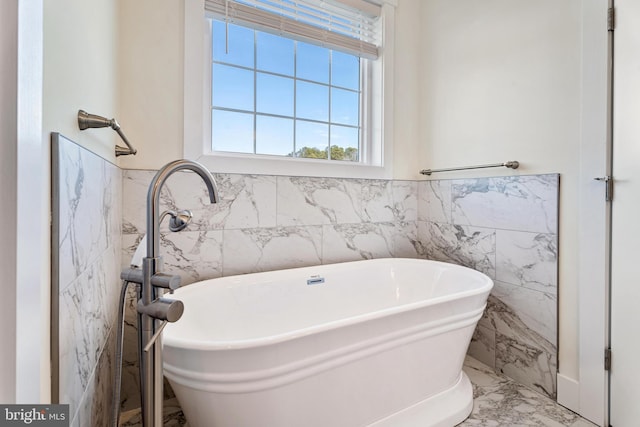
column 153, row 198
column 151, row 307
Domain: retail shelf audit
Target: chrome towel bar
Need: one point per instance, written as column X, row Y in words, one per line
column 513, row 164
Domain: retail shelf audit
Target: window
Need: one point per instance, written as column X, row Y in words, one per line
column 273, row 95
column 289, row 87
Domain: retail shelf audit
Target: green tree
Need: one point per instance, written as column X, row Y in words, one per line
column 311, row 153
column 351, row 154
column 337, row 153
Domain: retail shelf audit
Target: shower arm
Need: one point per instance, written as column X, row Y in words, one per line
column 123, row 151
column 86, row 121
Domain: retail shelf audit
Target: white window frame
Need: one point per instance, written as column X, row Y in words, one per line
column 197, row 112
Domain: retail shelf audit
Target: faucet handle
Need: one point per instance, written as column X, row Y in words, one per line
column 162, row 309
column 133, row 275
column 155, row 336
column 167, row 281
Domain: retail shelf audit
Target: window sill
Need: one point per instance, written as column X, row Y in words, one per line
column 271, row 165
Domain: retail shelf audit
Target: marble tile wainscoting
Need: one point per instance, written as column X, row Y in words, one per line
column 506, row 227
column 265, row 223
column 86, row 228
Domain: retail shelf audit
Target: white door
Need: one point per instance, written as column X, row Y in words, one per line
column 625, row 255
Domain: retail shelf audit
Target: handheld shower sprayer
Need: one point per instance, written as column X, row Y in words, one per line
column 86, row 121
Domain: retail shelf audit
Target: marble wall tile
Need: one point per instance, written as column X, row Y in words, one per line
column 505, row 227
column 78, row 351
column 523, row 203
column 102, row 402
column 193, row 255
column 354, row 242
column 264, row 249
column 483, row 345
column 404, row 239
column 130, row 388
column 527, row 364
column 389, row 201
column 522, row 353
column 318, row 201
column 527, row 259
column 468, row 246
column 536, row 311
column 86, row 194
column 246, row 201
column 129, row 244
column 434, row 201
column 522, row 325
column 96, row 405
column 88, row 309
column 485, row 320
column 89, row 219
column 135, row 185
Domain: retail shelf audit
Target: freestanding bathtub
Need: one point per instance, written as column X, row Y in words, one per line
column 366, row 343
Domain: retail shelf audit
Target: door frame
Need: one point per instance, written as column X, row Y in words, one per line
column 24, row 191
column 589, row 396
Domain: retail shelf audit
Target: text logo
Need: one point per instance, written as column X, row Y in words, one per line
column 34, row 415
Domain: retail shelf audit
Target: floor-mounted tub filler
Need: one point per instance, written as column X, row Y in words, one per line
column 365, row 343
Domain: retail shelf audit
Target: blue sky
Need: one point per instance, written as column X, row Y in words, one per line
column 276, row 60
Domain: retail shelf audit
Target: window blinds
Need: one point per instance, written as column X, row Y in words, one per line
column 351, row 26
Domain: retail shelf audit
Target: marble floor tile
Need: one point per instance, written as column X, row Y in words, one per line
column 173, row 416
column 497, row 401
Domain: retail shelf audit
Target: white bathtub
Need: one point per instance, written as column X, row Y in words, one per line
column 366, row 343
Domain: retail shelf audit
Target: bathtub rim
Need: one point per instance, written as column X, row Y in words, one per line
column 201, row 345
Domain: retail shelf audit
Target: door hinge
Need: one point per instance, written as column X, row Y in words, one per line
column 608, row 193
column 611, row 19
column 607, row 359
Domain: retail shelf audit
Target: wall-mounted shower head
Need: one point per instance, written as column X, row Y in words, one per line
column 87, row 121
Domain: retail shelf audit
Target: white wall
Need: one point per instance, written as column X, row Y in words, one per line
column 151, row 92
column 23, row 240
column 501, row 81
column 408, row 77
column 8, row 193
column 81, row 70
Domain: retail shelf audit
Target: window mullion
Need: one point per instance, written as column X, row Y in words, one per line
column 255, row 92
column 364, row 132
column 295, row 98
column 330, row 109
